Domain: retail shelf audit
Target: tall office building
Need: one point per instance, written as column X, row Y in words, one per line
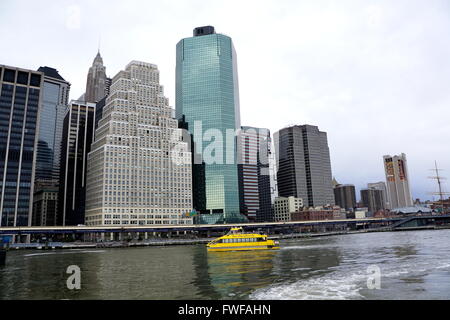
column 345, row 196
column 78, row 135
column 303, row 163
column 139, row 169
column 397, row 181
column 254, row 149
column 98, row 84
column 207, row 100
column 45, row 206
column 55, row 95
column 373, row 199
column 381, row 186
column 20, row 100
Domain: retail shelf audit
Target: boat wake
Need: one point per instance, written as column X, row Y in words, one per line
column 340, row 285
column 62, row 252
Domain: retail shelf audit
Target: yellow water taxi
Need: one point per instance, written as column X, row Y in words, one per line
column 237, row 240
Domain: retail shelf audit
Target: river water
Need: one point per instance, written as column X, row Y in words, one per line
column 412, row 265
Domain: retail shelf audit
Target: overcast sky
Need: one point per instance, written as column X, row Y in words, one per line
column 375, row 75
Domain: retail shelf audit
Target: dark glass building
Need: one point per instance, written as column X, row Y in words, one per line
column 373, row 199
column 207, row 96
column 304, row 166
column 254, row 149
column 78, row 135
column 99, row 106
column 45, row 206
column 345, row 196
column 20, row 96
column 55, row 95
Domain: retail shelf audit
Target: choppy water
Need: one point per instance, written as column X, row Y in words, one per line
column 413, row 265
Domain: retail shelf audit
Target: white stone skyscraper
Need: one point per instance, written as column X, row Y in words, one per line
column 139, row 167
column 397, row 181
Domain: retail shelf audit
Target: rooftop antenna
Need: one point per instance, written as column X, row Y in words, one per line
column 439, row 180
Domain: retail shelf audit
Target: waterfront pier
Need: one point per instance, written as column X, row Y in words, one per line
column 192, row 234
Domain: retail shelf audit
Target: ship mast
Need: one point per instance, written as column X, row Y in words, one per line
column 439, row 181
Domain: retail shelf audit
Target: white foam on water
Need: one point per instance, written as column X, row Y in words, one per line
column 306, row 247
column 38, row 254
column 447, row 265
column 62, row 252
column 301, row 269
column 328, row 287
column 339, row 285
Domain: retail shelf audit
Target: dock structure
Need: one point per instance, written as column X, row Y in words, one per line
column 147, row 232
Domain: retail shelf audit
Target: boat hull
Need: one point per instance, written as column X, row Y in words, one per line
column 242, row 248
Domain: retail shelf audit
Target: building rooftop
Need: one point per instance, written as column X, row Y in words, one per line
column 203, row 31
column 51, row 72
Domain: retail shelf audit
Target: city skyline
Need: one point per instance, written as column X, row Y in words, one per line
column 224, row 151
column 305, row 94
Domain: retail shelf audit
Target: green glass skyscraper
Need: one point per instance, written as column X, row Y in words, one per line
column 207, row 102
